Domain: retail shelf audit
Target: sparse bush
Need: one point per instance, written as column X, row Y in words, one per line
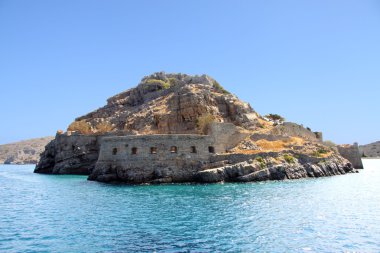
column 59, row 132
column 219, row 87
column 104, row 127
column 261, row 162
column 203, row 123
column 320, row 152
column 163, row 84
column 172, row 81
column 81, row 126
column 275, row 117
column 288, row 158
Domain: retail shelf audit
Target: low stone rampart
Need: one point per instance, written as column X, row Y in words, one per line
column 293, row 129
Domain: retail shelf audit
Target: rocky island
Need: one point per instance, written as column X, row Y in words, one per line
column 183, row 128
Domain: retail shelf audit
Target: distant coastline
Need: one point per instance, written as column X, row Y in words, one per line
column 23, row 152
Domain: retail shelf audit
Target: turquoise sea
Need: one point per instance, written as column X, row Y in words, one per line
column 48, row 213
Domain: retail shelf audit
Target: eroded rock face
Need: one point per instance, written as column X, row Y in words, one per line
column 75, row 154
column 172, row 103
column 254, row 171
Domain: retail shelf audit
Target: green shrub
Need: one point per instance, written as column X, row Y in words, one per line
column 219, row 87
column 164, row 85
column 172, row 81
column 275, row 117
column 320, row 152
column 288, row 158
column 203, row 123
column 261, row 162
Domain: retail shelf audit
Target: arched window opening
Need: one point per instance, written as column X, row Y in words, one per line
column 153, row 150
column 193, row 149
column 134, row 151
column 173, row 149
column 114, row 151
column 211, row 149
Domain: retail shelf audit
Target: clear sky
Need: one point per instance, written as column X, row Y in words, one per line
column 316, row 63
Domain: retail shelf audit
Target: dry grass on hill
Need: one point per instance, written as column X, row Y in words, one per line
column 280, row 144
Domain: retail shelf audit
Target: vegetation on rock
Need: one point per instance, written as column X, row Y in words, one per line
column 320, row 152
column 80, row 126
column 219, row 87
column 204, row 121
column 275, row 117
column 289, row 158
column 261, row 161
column 162, row 84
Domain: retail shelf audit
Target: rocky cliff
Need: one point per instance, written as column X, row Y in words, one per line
column 171, row 103
column 23, row 152
column 183, row 104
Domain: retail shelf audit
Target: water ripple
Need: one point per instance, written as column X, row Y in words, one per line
column 43, row 213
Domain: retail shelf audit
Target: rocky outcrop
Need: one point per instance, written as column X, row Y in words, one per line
column 262, row 170
column 23, row 152
column 370, row 150
column 69, row 154
column 171, row 104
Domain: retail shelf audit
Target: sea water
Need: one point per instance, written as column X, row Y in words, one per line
column 50, row 213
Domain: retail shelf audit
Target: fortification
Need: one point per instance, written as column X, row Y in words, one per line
column 352, row 154
column 166, row 157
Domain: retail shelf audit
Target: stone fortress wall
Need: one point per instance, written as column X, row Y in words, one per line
column 293, row 129
column 285, row 130
column 145, row 150
column 351, row 153
column 142, row 158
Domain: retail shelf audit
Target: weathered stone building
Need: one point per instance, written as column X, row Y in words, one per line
column 142, row 158
column 351, row 153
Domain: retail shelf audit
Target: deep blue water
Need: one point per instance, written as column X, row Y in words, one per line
column 46, row 213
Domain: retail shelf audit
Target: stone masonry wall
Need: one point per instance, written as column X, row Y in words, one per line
column 146, row 158
column 351, row 153
column 292, row 129
column 120, row 149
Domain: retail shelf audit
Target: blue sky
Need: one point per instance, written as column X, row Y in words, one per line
column 316, row 63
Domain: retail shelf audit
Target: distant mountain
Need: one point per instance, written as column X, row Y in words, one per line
column 370, row 150
column 23, row 152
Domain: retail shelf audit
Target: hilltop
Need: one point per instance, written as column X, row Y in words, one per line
column 170, row 104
